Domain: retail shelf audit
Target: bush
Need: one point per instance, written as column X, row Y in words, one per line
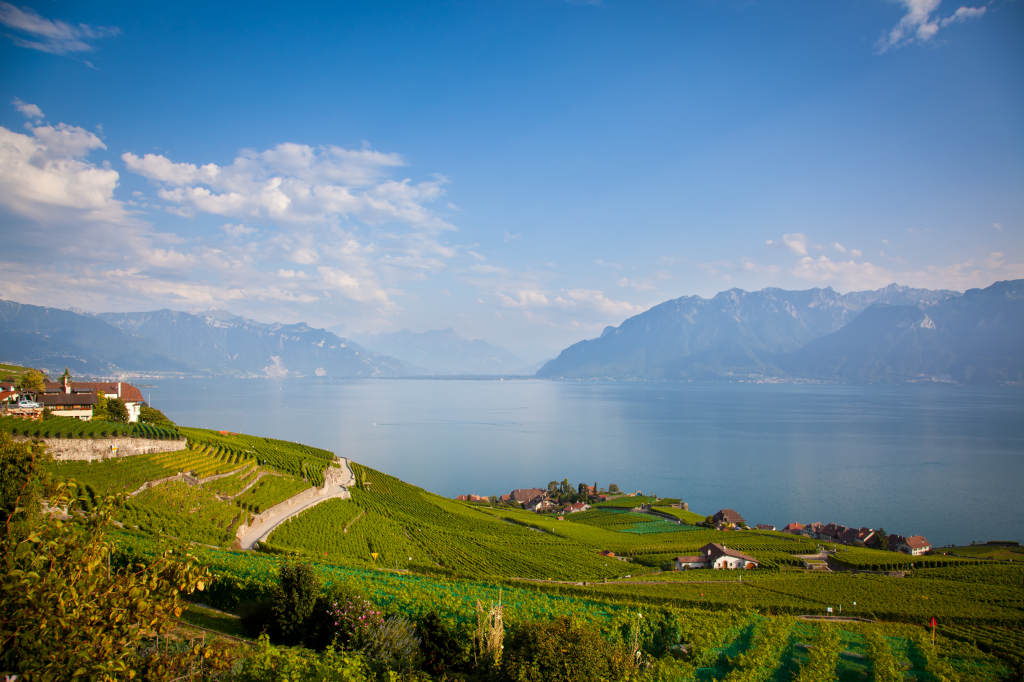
column 561, row 650
column 392, row 645
column 293, row 600
column 442, row 649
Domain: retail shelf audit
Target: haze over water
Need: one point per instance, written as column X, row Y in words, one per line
column 943, row 461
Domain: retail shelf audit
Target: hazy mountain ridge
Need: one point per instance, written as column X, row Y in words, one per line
column 891, row 334
column 443, row 351
column 167, row 341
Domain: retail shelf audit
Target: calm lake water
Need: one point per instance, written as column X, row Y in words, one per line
column 943, row 461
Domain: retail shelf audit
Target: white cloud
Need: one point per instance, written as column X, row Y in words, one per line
column 27, row 110
column 351, row 287
column 964, row 14
column 297, row 183
column 796, row 242
column 998, row 227
column 238, row 230
column 36, row 32
column 44, row 176
column 920, row 23
column 162, row 169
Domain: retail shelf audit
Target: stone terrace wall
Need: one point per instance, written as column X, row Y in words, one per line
column 93, row 449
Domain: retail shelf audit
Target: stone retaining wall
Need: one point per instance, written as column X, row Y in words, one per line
column 94, row 449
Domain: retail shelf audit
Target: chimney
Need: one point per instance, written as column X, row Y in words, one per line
column 67, row 385
column 119, row 389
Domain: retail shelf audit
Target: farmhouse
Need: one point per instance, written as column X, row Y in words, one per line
column 714, row 555
column 525, row 495
column 77, row 405
column 129, row 395
column 915, row 545
column 728, row 518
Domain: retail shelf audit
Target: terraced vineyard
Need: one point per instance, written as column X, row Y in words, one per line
column 407, row 527
column 296, row 459
column 183, row 511
column 69, row 427
column 126, row 474
column 268, row 491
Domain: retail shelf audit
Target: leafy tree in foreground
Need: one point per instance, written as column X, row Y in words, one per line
column 67, row 608
column 117, row 410
column 32, row 380
column 294, row 600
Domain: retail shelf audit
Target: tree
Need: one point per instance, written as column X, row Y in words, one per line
column 883, row 539
column 294, row 599
column 612, row 488
column 565, row 489
column 68, row 606
column 151, row 415
column 66, row 376
column 552, row 488
column 32, row 380
column 117, row 411
column 99, row 410
column 583, row 491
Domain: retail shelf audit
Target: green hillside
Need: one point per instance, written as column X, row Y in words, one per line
column 412, row 553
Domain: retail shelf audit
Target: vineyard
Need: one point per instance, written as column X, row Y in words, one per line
column 69, row 427
column 296, row 459
column 731, row 643
column 412, row 551
column 407, row 527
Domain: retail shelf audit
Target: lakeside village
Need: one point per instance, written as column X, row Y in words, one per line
column 562, row 499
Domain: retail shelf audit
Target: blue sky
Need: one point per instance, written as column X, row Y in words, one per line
column 525, row 172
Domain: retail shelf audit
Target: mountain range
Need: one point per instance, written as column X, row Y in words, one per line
column 167, row 341
column 894, row 334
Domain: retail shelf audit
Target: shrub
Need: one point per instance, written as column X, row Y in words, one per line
column 392, row 645
column 442, row 649
column 293, row 600
column 564, row 651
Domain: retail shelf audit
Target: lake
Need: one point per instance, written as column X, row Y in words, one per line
column 942, row 461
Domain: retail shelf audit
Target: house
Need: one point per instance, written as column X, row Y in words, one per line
column 857, row 536
column 915, row 545
column 128, row 394
column 539, row 503
column 794, row 528
column 478, row 498
column 714, row 555
column 764, row 526
column 832, row 532
column 506, row 497
column 681, row 563
column 525, row 495
column 576, row 507
column 77, row 405
column 727, row 518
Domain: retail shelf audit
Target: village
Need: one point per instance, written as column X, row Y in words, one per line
column 562, row 499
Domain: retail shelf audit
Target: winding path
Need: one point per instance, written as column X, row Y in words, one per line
column 337, row 480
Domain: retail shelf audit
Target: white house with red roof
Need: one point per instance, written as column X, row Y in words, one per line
column 128, row 394
column 714, row 555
